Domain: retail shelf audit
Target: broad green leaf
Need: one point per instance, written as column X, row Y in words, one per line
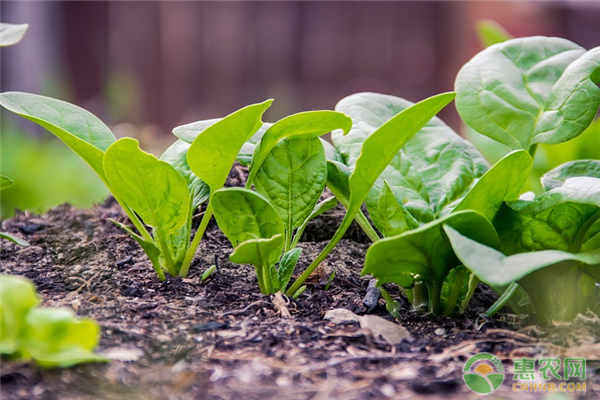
column 175, row 155
column 560, row 284
column 243, row 215
column 263, row 252
column 151, row 187
column 215, row 149
column 530, row 90
column 189, row 132
column 306, row 124
column 424, row 254
column 56, row 338
column 557, row 176
column 17, row 298
column 292, row 177
column 502, row 182
column 287, row 265
column 5, row 182
column 13, row 238
column 562, row 218
column 11, row 33
column 79, row 129
column 490, row 32
column 389, row 215
column 380, row 148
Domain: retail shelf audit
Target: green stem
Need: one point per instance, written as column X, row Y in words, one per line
column 166, row 251
column 419, row 295
column 135, row 220
column 366, row 226
column 191, row 251
column 323, row 254
column 260, row 278
column 502, row 300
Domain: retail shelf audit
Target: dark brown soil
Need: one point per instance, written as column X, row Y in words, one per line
column 221, row 339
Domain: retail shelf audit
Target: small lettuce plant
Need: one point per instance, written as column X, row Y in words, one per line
column 52, row 337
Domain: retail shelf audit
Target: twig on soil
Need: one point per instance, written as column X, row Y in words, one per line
column 280, row 304
column 248, row 307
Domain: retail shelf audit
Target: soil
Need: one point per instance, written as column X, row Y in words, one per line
column 222, row 339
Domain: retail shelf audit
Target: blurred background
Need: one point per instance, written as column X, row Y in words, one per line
column 146, row 67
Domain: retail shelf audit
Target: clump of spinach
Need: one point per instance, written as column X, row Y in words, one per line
column 351, row 186
column 152, row 192
column 289, row 171
column 435, row 178
column 549, row 244
column 52, row 337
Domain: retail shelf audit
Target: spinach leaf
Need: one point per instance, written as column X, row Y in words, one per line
column 11, row 33
column 79, row 129
column 560, row 284
column 526, row 91
column 292, row 178
column 5, row 182
column 421, row 259
column 53, row 337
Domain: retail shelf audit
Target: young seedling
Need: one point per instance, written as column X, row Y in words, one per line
column 289, row 172
column 152, row 192
column 550, row 244
column 52, row 337
column 377, row 151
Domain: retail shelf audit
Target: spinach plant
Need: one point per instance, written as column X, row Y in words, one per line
column 52, row 337
column 152, row 192
column 289, row 171
column 549, row 244
column 376, row 152
column 435, row 178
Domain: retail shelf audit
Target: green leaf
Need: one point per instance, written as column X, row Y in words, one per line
column 306, row 124
column 243, row 215
column 17, row 298
column 429, row 173
column 189, row 132
column 287, row 265
column 5, row 182
column 490, row 32
column 557, row 282
column 424, row 254
column 292, row 177
column 56, row 338
column 380, row 148
column 175, row 155
column 79, row 129
column 151, row 187
column 13, row 238
column 557, row 176
column 11, row 33
column 259, row 251
column 319, row 209
column 502, row 182
column 529, row 90
column 214, row 150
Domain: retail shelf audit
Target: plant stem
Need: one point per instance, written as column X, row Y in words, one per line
column 191, row 251
column 366, row 226
column 135, row 220
column 322, row 255
column 166, row 251
column 502, row 300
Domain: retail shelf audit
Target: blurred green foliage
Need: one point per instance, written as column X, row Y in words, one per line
column 547, row 156
column 45, row 174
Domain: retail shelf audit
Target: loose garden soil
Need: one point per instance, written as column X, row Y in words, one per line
column 222, row 339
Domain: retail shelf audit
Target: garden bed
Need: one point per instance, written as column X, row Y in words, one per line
column 221, row 338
